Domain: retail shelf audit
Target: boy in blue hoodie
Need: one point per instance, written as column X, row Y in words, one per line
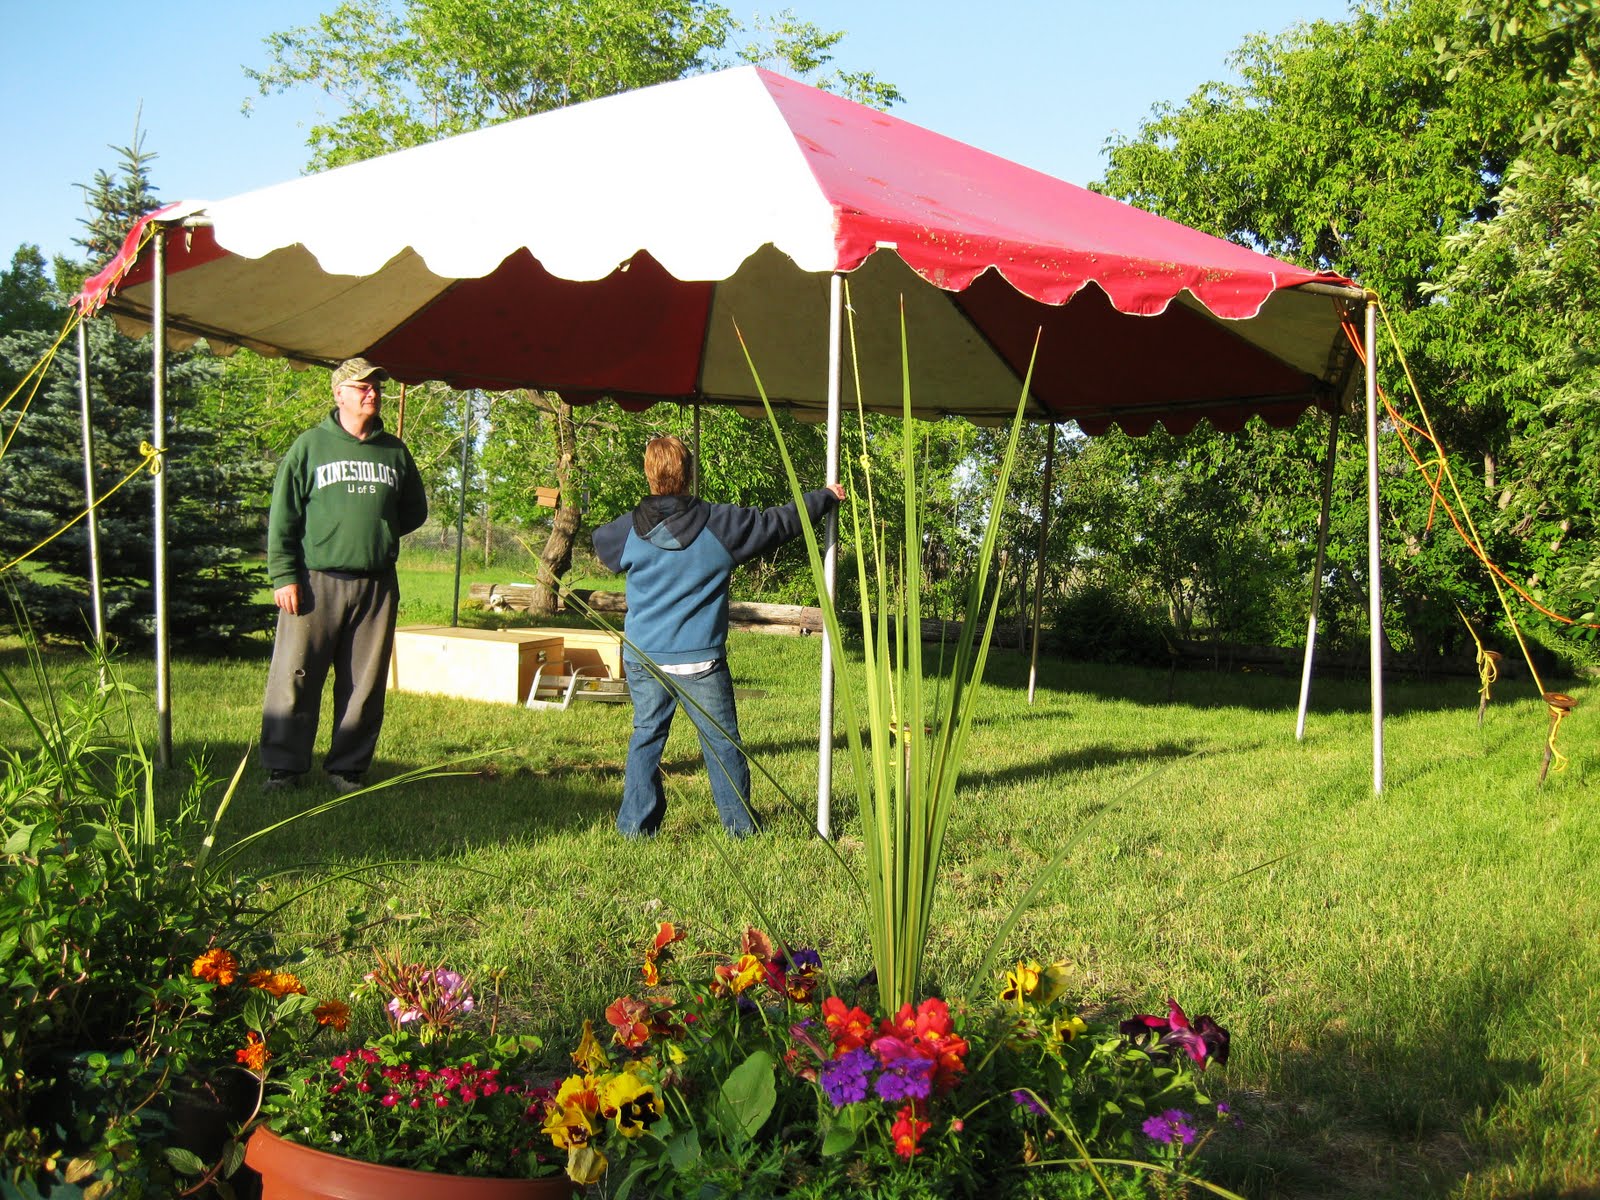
column 679, row 552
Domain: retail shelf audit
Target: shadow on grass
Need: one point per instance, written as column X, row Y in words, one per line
column 428, row 819
column 1209, row 689
column 1369, row 1110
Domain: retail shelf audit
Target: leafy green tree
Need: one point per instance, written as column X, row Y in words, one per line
column 1356, row 146
column 1525, row 283
column 436, row 68
column 213, row 491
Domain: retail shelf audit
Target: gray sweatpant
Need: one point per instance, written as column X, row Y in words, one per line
column 346, row 624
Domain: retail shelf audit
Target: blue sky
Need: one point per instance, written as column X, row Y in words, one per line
column 1044, row 82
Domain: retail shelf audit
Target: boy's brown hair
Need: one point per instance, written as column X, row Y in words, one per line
column 668, row 466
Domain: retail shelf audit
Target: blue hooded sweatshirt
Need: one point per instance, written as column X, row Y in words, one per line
column 679, row 552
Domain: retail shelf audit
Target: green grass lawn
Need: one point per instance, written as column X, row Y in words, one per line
column 1410, row 979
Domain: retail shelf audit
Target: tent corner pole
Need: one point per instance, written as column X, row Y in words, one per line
column 1374, row 573
column 158, row 437
column 1044, row 538
column 830, row 559
column 91, row 520
column 461, row 509
column 1323, row 517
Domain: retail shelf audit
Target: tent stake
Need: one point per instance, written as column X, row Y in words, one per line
column 1374, row 576
column 158, row 436
column 1044, row 537
column 1316, row 574
column 830, row 555
column 91, row 521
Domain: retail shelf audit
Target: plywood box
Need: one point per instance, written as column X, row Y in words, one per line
column 475, row 664
column 589, row 649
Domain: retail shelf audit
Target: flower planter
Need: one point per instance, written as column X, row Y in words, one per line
column 293, row 1172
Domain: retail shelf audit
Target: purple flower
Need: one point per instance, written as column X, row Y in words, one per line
column 844, row 1079
column 1201, row 1039
column 1171, row 1126
column 1224, row 1109
column 1024, row 1099
column 805, row 958
column 906, row 1078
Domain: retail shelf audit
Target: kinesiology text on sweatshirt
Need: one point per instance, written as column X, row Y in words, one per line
column 341, row 503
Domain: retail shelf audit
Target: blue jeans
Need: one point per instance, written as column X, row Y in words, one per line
column 644, row 803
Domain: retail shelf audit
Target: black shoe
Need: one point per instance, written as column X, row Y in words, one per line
column 281, row 781
column 345, row 782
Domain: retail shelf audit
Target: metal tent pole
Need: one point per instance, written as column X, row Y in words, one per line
column 91, row 519
column 461, row 511
column 1316, row 574
column 1374, row 581
column 1044, row 537
column 830, row 555
column 158, row 436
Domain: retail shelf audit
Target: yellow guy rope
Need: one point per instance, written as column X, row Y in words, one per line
column 150, row 457
column 36, row 373
column 1470, row 533
column 1488, row 666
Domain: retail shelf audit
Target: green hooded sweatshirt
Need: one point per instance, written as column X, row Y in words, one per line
column 341, row 503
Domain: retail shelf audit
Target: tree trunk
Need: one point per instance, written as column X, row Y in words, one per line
column 556, row 557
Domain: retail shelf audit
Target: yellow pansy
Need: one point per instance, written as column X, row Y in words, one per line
column 590, row 1054
column 1053, row 981
column 1021, row 984
column 585, row 1165
column 1067, row 1029
column 631, row 1102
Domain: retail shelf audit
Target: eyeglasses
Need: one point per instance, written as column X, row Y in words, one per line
column 360, row 386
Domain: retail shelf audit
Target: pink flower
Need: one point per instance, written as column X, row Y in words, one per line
column 390, row 1100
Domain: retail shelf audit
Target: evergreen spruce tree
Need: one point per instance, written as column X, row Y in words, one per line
column 216, row 492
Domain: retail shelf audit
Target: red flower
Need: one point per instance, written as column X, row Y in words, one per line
column 849, row 1028
column 907, row 1131
column 660, row 951
column 629, row 1017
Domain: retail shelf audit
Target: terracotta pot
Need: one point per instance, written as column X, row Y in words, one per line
column 293, row 1172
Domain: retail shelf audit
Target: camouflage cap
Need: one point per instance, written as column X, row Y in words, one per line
column 353, row 370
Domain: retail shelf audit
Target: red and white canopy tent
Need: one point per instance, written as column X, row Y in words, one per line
column 607, row 249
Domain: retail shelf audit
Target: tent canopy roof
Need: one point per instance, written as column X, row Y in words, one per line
column 610, row 248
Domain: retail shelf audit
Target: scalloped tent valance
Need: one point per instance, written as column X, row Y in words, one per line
column 608, row 249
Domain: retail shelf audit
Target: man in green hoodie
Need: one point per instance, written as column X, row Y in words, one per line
column 345, row 494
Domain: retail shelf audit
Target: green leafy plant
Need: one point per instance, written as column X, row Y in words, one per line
column 139, row 978
column 906, row 770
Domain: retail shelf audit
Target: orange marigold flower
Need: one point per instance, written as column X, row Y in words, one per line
column 216, row 966
column 277, row 983
column 253, row 1056
column 333, row 1013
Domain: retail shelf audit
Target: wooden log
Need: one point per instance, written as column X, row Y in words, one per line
column 746, row 615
